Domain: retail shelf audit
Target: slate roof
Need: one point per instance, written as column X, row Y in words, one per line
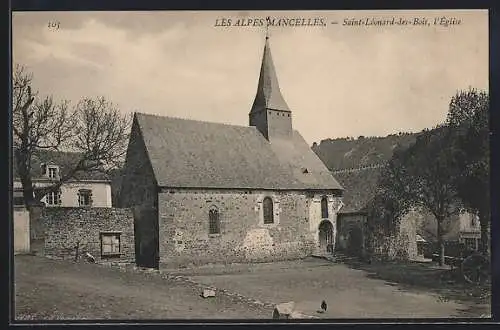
column 268, row 91
column 190, row 153
column 65, row 161
column 359, row 188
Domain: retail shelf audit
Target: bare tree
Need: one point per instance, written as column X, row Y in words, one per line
column 94, row 129
column 36, row 124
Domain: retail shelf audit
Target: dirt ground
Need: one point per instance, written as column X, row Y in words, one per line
column 352, row 290
column 48, row 289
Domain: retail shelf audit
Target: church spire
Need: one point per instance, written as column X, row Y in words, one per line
column 268, row 91
column 270, row 113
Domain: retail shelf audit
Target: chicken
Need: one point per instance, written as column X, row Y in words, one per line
column 323, row 306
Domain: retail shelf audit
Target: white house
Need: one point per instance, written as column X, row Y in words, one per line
column 469, row 230
column 86, row 189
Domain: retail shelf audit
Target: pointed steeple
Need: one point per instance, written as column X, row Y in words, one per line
column 268, row 91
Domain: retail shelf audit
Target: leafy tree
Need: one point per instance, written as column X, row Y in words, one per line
column 468, row 117
column 94, row 129
column 392, row 199
column 423, row 176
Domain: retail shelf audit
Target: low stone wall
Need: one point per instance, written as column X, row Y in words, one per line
column 65, row 228
column 401, row 245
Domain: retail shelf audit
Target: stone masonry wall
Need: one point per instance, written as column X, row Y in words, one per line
column 64, row 227
column 184, row 227
column 402, row 244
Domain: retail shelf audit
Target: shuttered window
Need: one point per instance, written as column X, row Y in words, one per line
column 110, row 244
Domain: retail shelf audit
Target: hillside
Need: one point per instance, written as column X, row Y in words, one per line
column 342, row 153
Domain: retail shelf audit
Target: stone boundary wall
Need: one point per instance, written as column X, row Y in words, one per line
column 66, row 227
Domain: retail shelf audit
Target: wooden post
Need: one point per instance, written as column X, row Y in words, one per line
column 77, row 247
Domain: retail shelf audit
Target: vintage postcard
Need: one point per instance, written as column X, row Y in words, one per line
column 245, row 165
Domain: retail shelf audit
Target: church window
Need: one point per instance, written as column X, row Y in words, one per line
column 324, row 207
column 267, row 205
column 213, row 221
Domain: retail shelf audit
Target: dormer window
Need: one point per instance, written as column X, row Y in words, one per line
column 51, row 171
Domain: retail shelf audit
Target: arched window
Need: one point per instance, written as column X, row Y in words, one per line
column 213, row 221
column 324, row 208
column 267, row 206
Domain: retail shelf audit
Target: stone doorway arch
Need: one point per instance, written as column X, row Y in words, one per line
column 325, row 236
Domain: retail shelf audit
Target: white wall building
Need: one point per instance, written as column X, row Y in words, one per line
column 86, row 189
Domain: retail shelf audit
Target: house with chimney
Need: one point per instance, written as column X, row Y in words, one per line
column 205, row 192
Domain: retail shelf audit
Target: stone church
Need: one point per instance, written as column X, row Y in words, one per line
column 208, row 192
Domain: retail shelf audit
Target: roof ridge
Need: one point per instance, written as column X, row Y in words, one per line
column 193, row 120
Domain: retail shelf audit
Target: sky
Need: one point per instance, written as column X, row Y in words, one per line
column 339, row 80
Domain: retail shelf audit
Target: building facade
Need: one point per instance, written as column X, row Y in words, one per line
column 85, row 189
column 208, row 192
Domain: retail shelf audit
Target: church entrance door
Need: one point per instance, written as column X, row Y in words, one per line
column 326, row 236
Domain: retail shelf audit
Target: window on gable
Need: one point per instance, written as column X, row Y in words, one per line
column 267, row 206
column 110, row 244
column 53, row 172
column 324, row 207
column 85, row 197
column 53, row 198
column 213, row 221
